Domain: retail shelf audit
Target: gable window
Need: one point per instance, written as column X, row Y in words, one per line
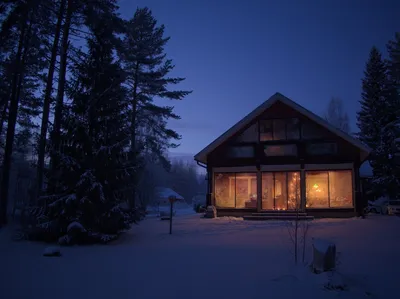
column 325, row 148
column 311, row 131
column 246, row 151
column 293, row 129
column 280, row 150
column 279, row 129
column 249, row 135
column 266, row 130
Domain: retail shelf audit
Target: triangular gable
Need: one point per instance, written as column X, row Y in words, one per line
column 202, row 155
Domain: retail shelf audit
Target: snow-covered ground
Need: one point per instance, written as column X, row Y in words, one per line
column 207, row 258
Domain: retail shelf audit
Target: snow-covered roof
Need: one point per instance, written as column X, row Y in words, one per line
column 202, row 155
column 366, row 170
column 165, row 193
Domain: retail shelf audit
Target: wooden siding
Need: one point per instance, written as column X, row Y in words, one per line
column 346, row 152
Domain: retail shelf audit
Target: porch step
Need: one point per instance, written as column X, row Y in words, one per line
column 279, row 213
column 277, row 217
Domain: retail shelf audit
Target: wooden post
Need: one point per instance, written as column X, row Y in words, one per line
column 171, row 200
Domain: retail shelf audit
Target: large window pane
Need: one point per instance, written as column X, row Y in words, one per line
column 265, row 130
column 280, row 150
column 279, row 127
column 294, row 196
column 267, row 191
column 317, row 193
column 246, row 151
column 249, row 135
column 224, row 190
column 292, row 129
column 326, row 148
column 340, row 189
column 246, row 190
column 280, row 191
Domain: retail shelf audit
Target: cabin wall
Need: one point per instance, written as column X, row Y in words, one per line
column 252, row 152
column 345, row 152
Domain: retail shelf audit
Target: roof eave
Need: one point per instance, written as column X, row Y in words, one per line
column 202, row 155
column 200, row 159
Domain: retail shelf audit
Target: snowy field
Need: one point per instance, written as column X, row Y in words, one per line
column 207, row 258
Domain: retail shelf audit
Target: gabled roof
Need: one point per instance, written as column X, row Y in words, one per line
column 277, row 97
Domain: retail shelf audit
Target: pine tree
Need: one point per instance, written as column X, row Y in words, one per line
column 391, row 132
column 375, row 115
column 372, row 116
column 78, row 14
column 20, row 26
column 147, row 68
column 47, row 95
column 95, row 163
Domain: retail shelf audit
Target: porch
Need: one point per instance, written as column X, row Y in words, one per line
column 278, row 191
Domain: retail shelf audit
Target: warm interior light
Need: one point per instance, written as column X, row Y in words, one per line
column 316, row 187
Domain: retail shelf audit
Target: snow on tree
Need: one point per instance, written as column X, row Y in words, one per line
column 336, row 116
column 95, row 166
column 391, row 132
column 374, row 119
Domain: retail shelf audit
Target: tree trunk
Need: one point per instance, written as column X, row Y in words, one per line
column 134, row 110
column 12, row 120
column 47, row 97
column 3, row 116
column 61, row 88
column 133, row 131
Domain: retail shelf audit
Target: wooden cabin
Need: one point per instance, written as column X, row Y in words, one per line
column 282, row 157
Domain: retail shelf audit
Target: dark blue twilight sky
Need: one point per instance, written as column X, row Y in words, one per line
column 236, row 53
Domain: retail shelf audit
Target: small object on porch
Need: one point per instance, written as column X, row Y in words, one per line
column 211, row 212
column 324, row 255
column 52, row 251
column 251, row 203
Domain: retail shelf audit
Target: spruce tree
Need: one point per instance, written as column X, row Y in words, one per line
column 94, row 158
column 79, row 16
column 391, row 133
column 374, row 117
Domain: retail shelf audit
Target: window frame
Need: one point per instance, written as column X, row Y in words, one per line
column 233, row 147
column 329, row 191
column 331, row 143
column 296, row 154
column 234, row 174
column 272, row 121
column 286, row 173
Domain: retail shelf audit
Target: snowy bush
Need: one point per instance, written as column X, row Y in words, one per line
column 93, row 171
column 198, row 208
